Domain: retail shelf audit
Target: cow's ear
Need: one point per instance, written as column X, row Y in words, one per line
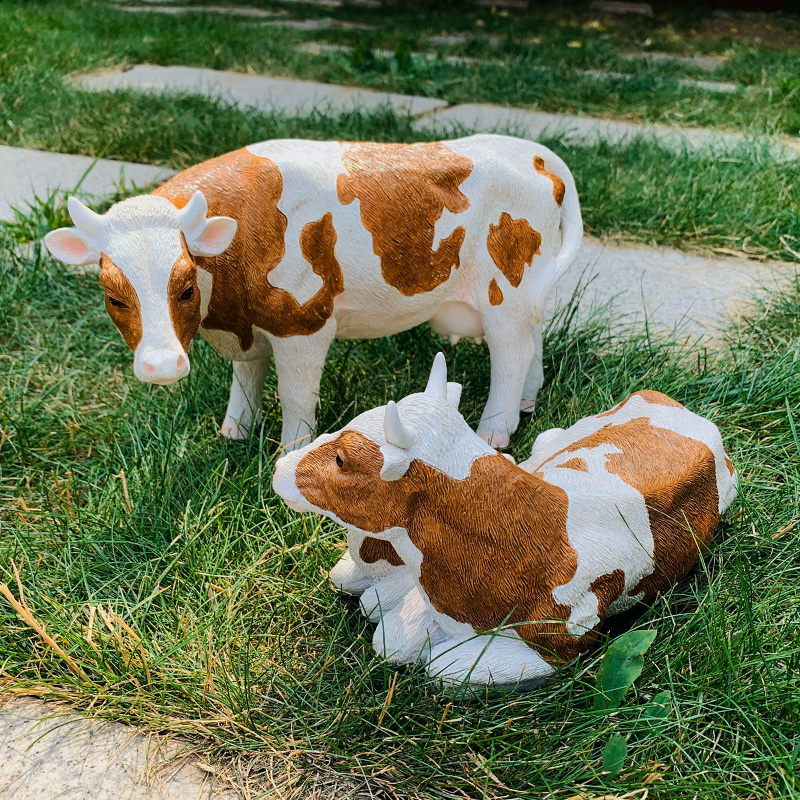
column 73, row 247
column 454, row 394
column 214, row 238
column 396, row 462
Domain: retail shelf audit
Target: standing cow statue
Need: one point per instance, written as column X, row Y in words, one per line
column 280, row 247
column 493, row 573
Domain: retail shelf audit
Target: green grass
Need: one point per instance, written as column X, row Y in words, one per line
column 238, row 638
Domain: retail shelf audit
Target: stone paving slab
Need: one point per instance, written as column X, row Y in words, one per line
column 536, row 124
column 31, row 173
column 709, row 63
column 256, row 91
column 48, row 753
column 321, row 24
column 695, row 294
column 232, row 11
column 622, row 7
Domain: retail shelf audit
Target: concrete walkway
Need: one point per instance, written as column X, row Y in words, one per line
column 28, row 174
column 48, row 753
column 695, row 295
column 257, row 91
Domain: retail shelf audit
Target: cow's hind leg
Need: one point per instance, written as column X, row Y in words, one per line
column 499, row 659
column 244, row 405
column 511, row 349
column 299, row 361
column 535, row 377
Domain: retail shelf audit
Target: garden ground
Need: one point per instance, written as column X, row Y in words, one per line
column 184, row 598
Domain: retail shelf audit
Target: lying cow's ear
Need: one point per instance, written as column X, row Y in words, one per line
column 73, row 247
column 396, row 462
column 454, row 394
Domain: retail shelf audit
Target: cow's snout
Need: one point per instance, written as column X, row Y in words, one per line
column 161, row 366
column 284, row 484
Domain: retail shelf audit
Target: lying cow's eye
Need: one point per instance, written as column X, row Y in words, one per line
column 116, row 303
column 339, row 461
column 188, row 293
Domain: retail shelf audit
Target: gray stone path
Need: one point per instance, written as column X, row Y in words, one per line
column 536, row 124
column 27, row 174
column 256, row 91
column 47, row 753
column 697, row 295
column 709, row 63
column 231, row 11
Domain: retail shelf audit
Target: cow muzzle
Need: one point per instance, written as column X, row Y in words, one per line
column 284, row 484
column 162, row 367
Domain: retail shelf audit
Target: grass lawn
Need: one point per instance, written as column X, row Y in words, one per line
column 183, row 596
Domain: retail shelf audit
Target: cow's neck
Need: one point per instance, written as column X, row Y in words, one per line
column 498, row 505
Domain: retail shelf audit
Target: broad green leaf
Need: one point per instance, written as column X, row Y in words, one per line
column 659, row 707
column 614, row 754
column 621, row 666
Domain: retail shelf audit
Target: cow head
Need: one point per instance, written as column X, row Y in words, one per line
column 146, row 251
column 368, row 475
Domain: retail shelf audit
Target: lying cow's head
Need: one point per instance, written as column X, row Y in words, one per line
column 146, row 251
column 366, row 475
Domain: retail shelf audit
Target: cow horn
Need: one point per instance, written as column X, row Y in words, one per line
column 437, row 382
column 86, row 220
column 395, row 431
column 193, row 214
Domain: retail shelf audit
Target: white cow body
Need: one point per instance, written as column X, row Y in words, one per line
column 510, row 570
column 505, row 222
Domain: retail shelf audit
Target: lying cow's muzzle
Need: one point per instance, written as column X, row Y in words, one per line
column 163, row 367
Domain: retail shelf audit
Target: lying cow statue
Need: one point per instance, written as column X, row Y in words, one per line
column 280, row 247
column 493, row 573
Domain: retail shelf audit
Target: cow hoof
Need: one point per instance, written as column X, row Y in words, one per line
column 231, row 429
column 500, row 441
column 527, row 406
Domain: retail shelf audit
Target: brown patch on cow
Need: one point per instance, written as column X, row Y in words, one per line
column 248, row 188
column 676, row 476
column 486, row 563
column 373, row 550
column 403, row 190
column 574, row 463
column 512, row 244
column 558, row 184
column 495, row 293
column 607, row 588
column 729, row 465
column 128, row 317
column 184, row 297
column 649, row 396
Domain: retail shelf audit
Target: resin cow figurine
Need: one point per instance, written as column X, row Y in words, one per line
column 278, row 248
column 493, row 573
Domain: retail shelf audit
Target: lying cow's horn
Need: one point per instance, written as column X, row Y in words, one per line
column 86, row 220
column 437, row 382
column 193, row 214
column 395, row 431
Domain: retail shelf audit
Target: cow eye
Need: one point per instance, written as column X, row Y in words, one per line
column 116, row 303
column 187, row 294
column 339, row 460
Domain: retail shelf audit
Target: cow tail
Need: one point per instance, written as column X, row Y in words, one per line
column 571, row 240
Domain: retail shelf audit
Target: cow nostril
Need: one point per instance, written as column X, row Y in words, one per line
column 148, row 369
column 182, row 362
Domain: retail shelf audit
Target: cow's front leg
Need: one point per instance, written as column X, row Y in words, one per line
column 511, row 349
column 244, row 405
column 299, row 361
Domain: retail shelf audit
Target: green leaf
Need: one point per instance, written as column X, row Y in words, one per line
column 659, row 707
column 621, row 666
column 614, row 754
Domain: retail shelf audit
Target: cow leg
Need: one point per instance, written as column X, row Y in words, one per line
column 511, row 349
column 380, row 598
column 502, row 660
column 535, row 376
column 299, row 361
column 244, row 405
